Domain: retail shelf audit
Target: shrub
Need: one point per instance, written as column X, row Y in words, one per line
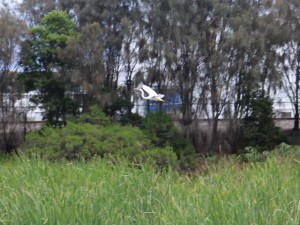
column 288, row 150
column 161, row 130
column 85, row 141
column 132, row 118
column 258, row 128
column 251, row 154
column 121, row 108
column 159, row 127
column 94, row 116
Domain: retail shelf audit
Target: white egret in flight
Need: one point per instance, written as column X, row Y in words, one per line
column 152, row 95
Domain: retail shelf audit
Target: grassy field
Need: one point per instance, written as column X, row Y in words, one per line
column 39, row 192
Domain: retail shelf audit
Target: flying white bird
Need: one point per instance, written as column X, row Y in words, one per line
column 152, row 95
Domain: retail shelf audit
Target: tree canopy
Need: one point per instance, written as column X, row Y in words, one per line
column 214, row 54
column 43, row 68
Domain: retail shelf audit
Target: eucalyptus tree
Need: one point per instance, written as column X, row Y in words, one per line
column 198, row 60
column 109, row 15
column 287, row 13
column 85, row 70
column 244, row 55
column 132, row 45
column 120, row 34
column 157, row 30
column 257, row 36
column 154, row 51
column 214, row 78
column 240, row 44
column 184, row 39
column 43, row 69
column 249, row 54
column 182, row 54
column 12, row 29
column 33, row 11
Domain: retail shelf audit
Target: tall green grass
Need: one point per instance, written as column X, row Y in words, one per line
column 41, row 192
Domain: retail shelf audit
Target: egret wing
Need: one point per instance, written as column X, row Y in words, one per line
column 149, row 90
column 160, row 95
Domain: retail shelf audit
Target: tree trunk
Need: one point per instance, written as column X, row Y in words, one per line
column 296, row 122
column 214, row 136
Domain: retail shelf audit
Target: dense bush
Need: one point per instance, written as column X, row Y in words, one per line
column 83, row 140
column 252, row 154
column 288, row 150
column 160, row 128
column 121, row 110
column 94, row 116
column 133, row 119
column 258, row 129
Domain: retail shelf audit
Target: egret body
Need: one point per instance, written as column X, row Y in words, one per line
column 152, row 95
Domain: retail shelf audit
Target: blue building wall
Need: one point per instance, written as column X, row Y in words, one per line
column 170, row 103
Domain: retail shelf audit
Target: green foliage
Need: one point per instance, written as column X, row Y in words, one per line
column 59, row 26
column 159, row 127
column 39, row 57
column 132, row 118
column 93, row 135
column 84, row 140
column 94, row 116
column 40, row 51
column 185, row 151
column 54, row 102
column 122, row 108
column 258, row 128
column 288, row 150
column 251, row 154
